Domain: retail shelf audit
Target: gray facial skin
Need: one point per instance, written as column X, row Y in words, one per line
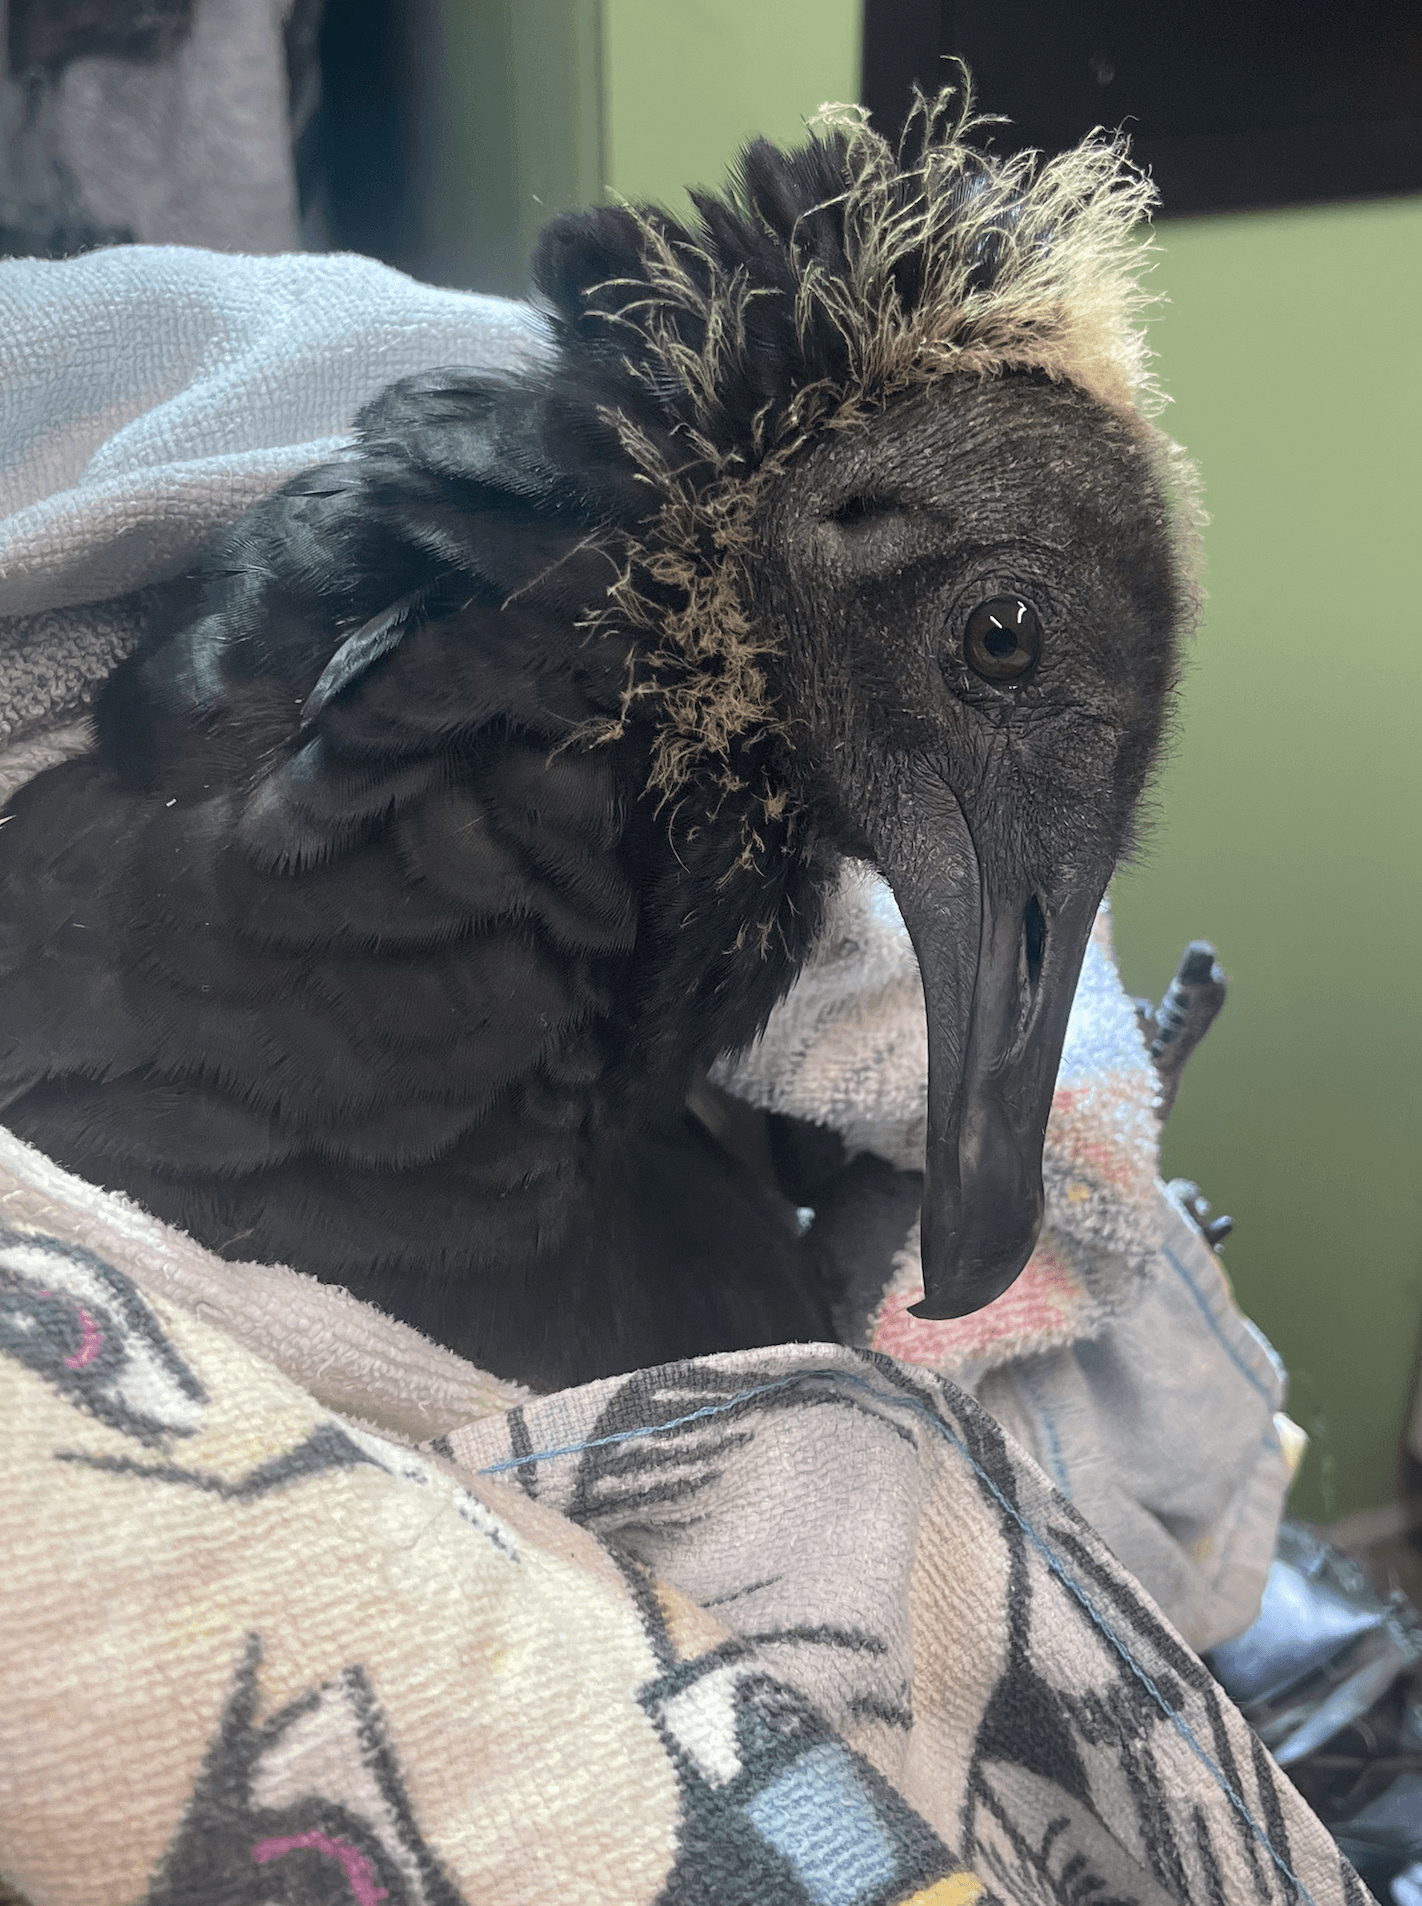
column 996, row 809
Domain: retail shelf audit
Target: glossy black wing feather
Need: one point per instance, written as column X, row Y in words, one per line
column 356, row 654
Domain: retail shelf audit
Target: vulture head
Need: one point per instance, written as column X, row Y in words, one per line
column 916, row 573
column 481, row 788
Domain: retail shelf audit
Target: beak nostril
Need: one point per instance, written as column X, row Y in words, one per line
column 1034, row 941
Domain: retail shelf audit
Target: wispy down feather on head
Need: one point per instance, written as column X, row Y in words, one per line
column 820, row 286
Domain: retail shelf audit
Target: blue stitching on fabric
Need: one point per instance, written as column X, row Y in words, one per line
column 1057, row 1567
column 1054, row 1450
column 1049, row 1430
column 1250, row 1376
column 654, row 1429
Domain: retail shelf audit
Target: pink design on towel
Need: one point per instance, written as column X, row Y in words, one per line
column 90, row 1339
column 1043, row 1307
column 359, row 1872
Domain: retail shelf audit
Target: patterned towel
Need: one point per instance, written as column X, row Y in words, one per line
column 800, row 1626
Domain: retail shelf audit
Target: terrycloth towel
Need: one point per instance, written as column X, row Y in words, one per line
column 890, row 1649
column 1118, row 1357
column 798, row 1627
column 149, row 394
column 849, row 1049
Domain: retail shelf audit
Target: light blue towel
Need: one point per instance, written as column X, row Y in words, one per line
column 150, row 393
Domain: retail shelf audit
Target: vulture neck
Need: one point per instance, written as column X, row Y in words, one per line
column 731, row 901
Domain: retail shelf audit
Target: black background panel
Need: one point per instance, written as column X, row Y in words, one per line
column 1270, row 102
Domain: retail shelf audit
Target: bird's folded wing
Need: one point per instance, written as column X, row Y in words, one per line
column 150, row 394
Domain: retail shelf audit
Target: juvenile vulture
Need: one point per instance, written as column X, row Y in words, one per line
column 483, row 786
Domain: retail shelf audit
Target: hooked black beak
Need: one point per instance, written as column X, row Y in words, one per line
column 999, row 960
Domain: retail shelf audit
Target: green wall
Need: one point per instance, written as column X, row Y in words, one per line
column 1287, row 825
column 690, row 81
column 1286, row 822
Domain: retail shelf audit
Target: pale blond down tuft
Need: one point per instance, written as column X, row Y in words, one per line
column 947, row 264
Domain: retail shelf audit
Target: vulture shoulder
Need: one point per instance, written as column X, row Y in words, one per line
column 345, row 948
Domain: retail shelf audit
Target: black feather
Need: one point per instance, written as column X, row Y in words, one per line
column 358, row 653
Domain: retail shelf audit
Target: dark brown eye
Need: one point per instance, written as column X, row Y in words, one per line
column 1002, row 639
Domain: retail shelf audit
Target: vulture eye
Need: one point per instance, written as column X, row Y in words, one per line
column 1002, row 639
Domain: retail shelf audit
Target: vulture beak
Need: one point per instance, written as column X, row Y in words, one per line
column 999, row 959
